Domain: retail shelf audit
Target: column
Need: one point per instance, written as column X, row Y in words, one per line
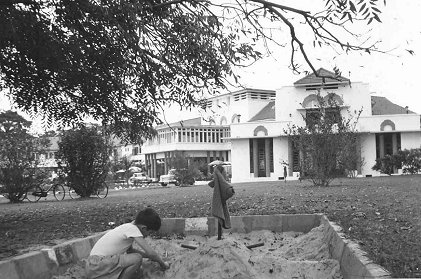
column 151, row 165
column 214, row 156
column 255, row 159
column 290, row 158
column 154, row 165
column 358, row 144
column 395, row 143
column 148, row 164
column 395, row 149
column 166, row 162
column 381, row 145
column 208, row 160
column 267, row 157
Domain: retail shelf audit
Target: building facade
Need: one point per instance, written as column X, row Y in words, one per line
column 248, row 127
column 207, row 137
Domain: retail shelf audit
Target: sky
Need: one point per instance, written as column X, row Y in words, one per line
column 393, row 75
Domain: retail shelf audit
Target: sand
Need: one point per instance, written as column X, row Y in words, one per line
column 284, row 255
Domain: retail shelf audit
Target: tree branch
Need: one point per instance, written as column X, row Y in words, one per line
column 14, row 2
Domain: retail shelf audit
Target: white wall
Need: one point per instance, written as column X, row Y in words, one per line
column 280, row 155
column 274, row 128
column 240, row 154
column 247, row 108
column 368, row 153
column 410, row 140
column 403, row 122
column 289, row 100
column 240, row 160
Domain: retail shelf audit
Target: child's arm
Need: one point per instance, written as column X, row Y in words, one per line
column 150, row 253
column 134, row 250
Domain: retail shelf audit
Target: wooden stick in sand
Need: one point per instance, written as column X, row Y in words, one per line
column 251, row 246
column 192, row 247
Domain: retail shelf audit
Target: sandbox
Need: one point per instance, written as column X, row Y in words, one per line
column 293, row 246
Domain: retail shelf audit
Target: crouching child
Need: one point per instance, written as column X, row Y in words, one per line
column 113, row 255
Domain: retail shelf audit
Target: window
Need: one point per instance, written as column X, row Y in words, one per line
column 333, row 114
column 312, row 117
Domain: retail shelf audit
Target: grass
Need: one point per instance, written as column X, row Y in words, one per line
column 382, row 214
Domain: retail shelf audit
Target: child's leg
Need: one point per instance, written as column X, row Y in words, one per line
column 131, row 264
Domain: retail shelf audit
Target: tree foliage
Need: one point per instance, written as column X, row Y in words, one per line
column 186, row 172
column 83, row 158
column 119, row 62
column 123, row 164
column 328, row 144
column 18, row 165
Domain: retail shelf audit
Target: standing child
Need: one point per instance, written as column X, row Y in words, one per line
column 114, row 257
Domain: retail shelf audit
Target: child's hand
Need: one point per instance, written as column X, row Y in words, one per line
column 165, row 265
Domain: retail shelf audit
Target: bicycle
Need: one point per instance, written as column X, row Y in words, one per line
column 100, row 193
column 35, row 193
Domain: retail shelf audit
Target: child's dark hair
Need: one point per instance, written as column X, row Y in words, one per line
column 149, row 218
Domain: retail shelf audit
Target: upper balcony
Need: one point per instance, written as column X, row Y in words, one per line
column 189, row 138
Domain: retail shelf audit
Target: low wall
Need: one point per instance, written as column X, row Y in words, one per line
column 45, row 263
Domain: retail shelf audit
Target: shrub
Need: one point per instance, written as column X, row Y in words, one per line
column 328, row 143
column 412, row 162
column 385, row 165
column 83, row 158
column 407, row 160
column 186, row 171
column 18, row 169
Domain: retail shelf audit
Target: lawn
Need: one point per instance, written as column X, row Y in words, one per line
column 382, row 214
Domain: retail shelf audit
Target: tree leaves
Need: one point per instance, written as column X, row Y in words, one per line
column 121, row 62
column 118, row 62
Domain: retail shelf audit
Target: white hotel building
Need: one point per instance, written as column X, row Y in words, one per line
column 247, row 129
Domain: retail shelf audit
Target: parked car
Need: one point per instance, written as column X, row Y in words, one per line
column 139, row 178
column 169, row 178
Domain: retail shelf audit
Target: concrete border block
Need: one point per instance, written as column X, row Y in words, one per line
column 334, row 239
column 80, row 247
column 64, row 254
column 300, row 223
column 375, row 271
column 213, row 225
column 352, row 262
column 33, row 265
column 268, row 222
column 247, row 222
column 198, row 226
column 8, row 270
column 172, row 225
column 239, row 224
